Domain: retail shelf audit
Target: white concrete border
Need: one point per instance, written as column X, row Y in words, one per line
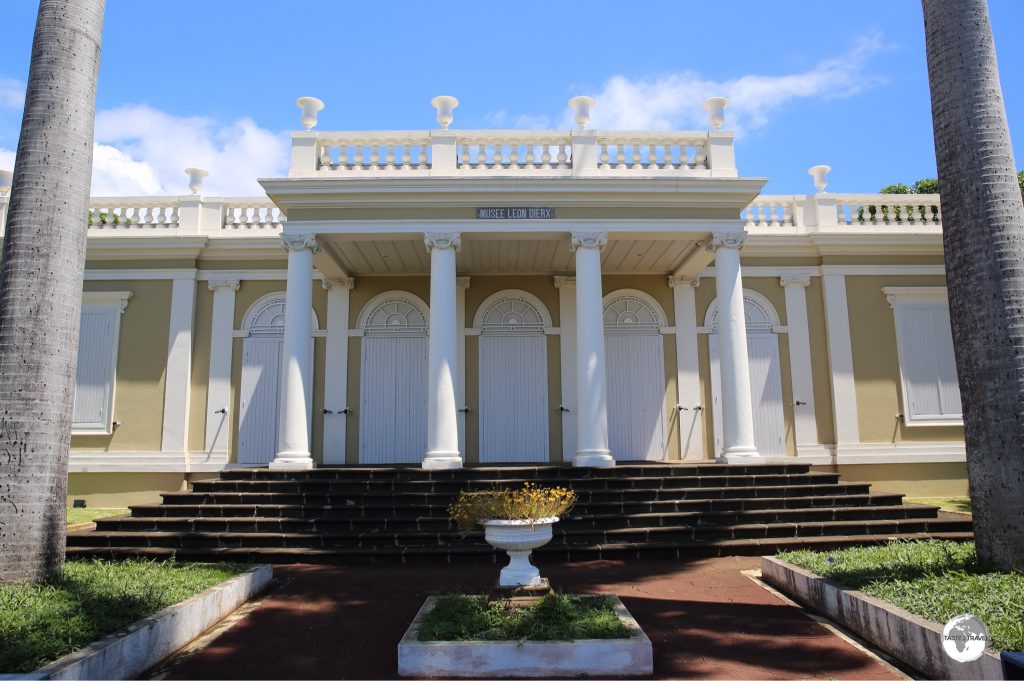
column 526, row 659
column 128, row 653
column 912, row 639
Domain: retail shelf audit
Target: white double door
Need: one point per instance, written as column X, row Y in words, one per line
column 635, row 367
column 513, row 398
column 393, row 399
column 260, row 398
column 765, row 392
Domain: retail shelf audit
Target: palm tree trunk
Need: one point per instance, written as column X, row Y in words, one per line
column 983, row 236
column 41, row 286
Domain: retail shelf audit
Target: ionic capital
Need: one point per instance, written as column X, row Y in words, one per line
column 218, row 284
column 674, row 281
column 561, row 282
column 726, row 240
column 342, row 282
column 462, row 282
column 442, row 240
column 298, row 242
column 596, row 240
column 801, row 281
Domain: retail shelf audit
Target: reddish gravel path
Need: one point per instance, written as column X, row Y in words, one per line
column 706, row 619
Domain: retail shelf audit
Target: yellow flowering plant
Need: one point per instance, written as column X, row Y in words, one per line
column 530, row 502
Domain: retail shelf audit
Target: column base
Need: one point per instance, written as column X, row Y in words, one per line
column 292, row 461
column 740, row 455
column 593, row 458
column 434, row 461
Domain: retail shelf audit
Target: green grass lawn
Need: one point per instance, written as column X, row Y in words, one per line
column 554, row 618
column 961, row 504
column 934, row 579
column 40, row 623
column 87, row 515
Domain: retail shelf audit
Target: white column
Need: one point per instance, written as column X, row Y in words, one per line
column 461, row 284
column 734, row 362
column 293, row 429
column 691, row 414
column 442, row 411
column 218, row 392
column 336, row 369
column 840, row 359
column 591, row 392
column 567, row 347
column 178, row 382
column 800, row 361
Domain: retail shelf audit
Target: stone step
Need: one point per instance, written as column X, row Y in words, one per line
column 453, row 487
column 441, row 510
column 553, row 471
column 484, row 555
column 562, row 536
column 392, row 501
column 439, row 524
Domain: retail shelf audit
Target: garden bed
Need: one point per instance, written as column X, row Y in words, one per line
column 464, row 636
column 40, row 623
column 899, row 595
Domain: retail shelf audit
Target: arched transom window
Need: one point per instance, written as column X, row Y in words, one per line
column 511, row 314
column 631, row 313
column 760, row 314
column 268, row 317
column 394, row 315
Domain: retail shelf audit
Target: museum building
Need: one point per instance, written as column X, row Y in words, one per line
column 448, row 298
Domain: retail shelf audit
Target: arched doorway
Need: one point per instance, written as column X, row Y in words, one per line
column 393, row 379
column 765, row 374
column 635, row 365
column 513, row 378
column 259, row 392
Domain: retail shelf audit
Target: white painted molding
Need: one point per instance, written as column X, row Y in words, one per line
column 120, row 297
column 805, row 423
column 218, row 395
column 688, row 394
column 146, row 462
column 138, row 274
column 177, row 383
column 251, row 275
column 840, row 359
column 336, row 371
column 872, row 453
column 567, row 349
column 918, row 292
column 882, row 270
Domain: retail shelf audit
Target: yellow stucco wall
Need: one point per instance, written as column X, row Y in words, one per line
column 141, row 365
column 876, row 365
column 202, row 324
column 912, row 479
column 120, row 490
column 820, row 371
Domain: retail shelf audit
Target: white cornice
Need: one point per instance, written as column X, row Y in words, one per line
column 139, row 274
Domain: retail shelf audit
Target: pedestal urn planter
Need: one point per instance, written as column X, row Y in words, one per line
column 518, row 538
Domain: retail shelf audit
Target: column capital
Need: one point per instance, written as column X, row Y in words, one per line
column 341, row 282
column 726, row 240
column 442, row 240
column 462, row 282
column 218, row 284
column 802, row 281
column 596, row 240
column 674, row 281
column 298, row 242
column 561, row 282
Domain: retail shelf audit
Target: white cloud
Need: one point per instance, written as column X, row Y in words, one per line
column 6, row 159
column 12, row 93
column 141, row 150
column 673, row 101
column 501, row 119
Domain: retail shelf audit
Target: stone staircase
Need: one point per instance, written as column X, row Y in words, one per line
column 397, row 515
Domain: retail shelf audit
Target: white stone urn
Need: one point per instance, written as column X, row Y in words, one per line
column 715, row 106
column 311, row 106
column 820, row 175
column 518, row 538
column 444, row 104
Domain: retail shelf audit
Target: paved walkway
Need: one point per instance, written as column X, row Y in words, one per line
column 707, row 621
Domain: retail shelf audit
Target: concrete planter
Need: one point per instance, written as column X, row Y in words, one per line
column 128, row 653
column 910, row 638
column 527, row 659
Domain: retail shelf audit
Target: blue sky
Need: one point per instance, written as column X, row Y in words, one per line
column 190, row 82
